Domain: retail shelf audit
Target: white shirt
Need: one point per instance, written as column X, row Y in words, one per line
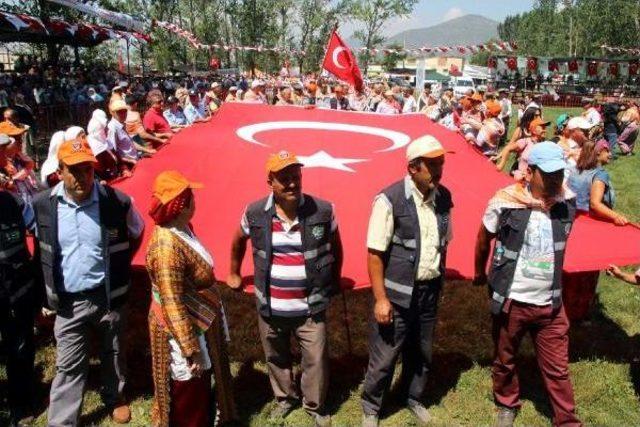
column 410, row 105
column 385, row 108
column 506, row 108
column 593, row 116
column 533, row 278
column 120, row 139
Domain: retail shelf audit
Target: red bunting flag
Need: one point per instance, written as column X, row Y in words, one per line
column 340, row 61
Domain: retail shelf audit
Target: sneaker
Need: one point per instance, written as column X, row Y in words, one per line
column 322, row 420
column 421, row 413
column 505, row 418
column 370, row 420
column 121, row 414
column 281, row 410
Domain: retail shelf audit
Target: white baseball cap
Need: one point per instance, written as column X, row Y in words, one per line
column 425, row 146
column 256, row 83
column 578, row 123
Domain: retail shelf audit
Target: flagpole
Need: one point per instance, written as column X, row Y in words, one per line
column 335, row 29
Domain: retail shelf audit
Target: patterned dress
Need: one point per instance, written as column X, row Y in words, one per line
column 185, row 304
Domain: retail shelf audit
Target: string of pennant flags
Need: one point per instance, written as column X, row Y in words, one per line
column 611, row 49
column 464, row 50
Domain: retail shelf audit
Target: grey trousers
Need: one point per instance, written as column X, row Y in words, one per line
column 410, row 334
column 311, row 335
column 78, row 316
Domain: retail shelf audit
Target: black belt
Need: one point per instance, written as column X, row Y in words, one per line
column 84, row 294
column 430, row 282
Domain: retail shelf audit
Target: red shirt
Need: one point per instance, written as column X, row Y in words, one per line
column 155, row 122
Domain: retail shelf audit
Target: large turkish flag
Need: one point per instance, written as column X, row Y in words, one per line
column 350, row 157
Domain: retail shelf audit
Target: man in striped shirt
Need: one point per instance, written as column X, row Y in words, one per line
column 297, row 257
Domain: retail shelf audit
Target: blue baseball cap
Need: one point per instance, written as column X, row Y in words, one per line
column 547, row 156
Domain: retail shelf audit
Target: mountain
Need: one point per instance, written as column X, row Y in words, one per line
column 465, row 30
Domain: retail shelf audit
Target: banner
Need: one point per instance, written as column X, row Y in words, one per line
column 117, row 18
column 349, row 158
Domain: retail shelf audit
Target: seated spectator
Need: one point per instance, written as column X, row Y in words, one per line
column 232, row 96
column 629, row 120
column 154, row 122
column 126, row 149
column 592, row 184
column 174, row 114
column 19, row 167
column 285, row 98
column 194, row 111
column 562, row 133
column 214, row 97
column 257, row 92
column 95, row 97
column 339, row 101
column 538, row 131
column 107, row 165
column 134, row 126
column 492, row 129
column 410, row 105
column 49, row 170
column 472, row 118
column 117, row 94
column 431, row 109
column 388, row 105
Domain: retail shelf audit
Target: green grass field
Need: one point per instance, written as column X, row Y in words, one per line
column 604, row 354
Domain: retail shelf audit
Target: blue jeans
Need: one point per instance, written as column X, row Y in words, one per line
column 612, row 139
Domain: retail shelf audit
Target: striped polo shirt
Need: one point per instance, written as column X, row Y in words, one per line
column 288, row 282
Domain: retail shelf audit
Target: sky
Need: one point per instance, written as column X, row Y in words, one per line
column 431, row 12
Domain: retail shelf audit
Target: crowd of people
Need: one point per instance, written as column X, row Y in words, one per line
column 86, row 233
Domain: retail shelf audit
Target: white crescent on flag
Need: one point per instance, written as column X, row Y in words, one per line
column 335, row 54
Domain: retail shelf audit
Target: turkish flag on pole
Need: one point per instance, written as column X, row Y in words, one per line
column 340, row 61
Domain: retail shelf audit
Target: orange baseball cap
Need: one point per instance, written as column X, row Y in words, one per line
column 476, row 97
column 169, row 184
column 75, row 151
column 493, row 108
column 10, row 129
column 278, row 161
column 537, row 122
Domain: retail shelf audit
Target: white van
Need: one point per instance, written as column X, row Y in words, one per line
column 461, row 85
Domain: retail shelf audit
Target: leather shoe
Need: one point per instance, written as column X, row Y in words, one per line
column 121, row 414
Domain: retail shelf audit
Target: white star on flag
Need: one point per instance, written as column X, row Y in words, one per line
column 322, row 159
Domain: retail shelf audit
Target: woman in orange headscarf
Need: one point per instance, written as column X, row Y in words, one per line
column 186, row 318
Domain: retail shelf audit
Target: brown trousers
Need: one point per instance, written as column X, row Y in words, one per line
column 311, row 335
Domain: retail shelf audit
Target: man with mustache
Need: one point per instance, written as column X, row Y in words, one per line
column 297, row 257
column 530, row 222
column 409, row 231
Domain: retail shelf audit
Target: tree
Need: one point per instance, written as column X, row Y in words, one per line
column 373, row 15
column 390, row 60
column 316, row 19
